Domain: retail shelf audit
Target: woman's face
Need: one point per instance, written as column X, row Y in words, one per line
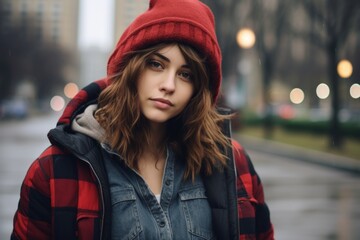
column 166, row 85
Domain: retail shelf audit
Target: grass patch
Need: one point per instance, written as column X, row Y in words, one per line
column 319, row 142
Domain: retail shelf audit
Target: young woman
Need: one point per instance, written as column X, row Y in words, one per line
column 144, row 153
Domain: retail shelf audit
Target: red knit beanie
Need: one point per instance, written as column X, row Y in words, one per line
column 185, row 21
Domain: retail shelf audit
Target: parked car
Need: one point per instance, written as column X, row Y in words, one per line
column 14, row 109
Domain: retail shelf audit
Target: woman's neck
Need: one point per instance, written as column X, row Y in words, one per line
column 156, row 136
column 151, row 163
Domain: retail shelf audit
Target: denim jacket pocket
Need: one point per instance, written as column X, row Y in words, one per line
column 125, row 217
column 197, row 213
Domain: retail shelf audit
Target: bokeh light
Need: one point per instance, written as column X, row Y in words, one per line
column 344, row 68
column 70, row 90
column 246, row 38
column 297, row 96
column 57, row 103
column 322, row 91
column 286, row 112
column 355, row 91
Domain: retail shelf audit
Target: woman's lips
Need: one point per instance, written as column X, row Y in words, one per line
column 162, row 103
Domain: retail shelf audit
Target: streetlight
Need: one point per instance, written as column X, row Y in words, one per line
column 57, row 103
column 297, row 96
column 246, row 38
column 344, row 68
column 355, row 91
column 322, row 91
column 70, row 90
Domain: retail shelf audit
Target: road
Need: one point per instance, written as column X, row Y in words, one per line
column 307, row 201
column 20, row 144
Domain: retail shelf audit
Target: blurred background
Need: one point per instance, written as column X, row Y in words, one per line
column 290, row 73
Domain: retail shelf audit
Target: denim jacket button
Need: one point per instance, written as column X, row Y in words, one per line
column 162, row 224
column 167, row 182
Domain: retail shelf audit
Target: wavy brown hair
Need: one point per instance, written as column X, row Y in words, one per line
column 195, row 134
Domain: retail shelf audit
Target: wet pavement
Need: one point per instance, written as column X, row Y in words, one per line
column 307, row 201
column 21, row 142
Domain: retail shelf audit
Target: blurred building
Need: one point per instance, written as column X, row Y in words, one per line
column 93, row 62
column 55, row 21
column 125, row 12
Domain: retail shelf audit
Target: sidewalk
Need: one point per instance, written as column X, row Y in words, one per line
column 303, row 154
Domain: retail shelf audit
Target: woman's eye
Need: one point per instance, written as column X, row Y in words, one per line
column 155, row 64
column 186, row 75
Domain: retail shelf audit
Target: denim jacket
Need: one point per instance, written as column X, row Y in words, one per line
column 182, row 213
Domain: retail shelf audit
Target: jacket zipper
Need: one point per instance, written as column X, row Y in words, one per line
column 101, row 193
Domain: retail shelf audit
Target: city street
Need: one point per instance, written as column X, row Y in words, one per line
column 307, row 201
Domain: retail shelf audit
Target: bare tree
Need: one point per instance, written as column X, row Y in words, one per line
column 333, row 20
column 226, row 15
column 25, row 55
column 268, row 19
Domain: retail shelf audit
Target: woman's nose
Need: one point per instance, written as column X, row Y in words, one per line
column 168, row 83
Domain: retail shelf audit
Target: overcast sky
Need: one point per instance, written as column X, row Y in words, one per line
column 96, row 27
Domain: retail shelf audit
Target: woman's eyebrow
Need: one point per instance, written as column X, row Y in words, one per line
column 168, row 60
column 162, row 57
